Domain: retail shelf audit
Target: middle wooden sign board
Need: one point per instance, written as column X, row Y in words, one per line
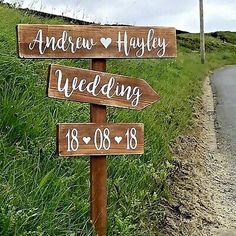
column 99, row 88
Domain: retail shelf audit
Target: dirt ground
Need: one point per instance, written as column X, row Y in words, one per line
column 204, row 186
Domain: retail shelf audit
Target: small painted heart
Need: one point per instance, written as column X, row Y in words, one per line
column 105, row 42
column 86, row 140
column 118, row 139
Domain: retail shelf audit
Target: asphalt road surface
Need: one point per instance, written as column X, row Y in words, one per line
column 224, row 88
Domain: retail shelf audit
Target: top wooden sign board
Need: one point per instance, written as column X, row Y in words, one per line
column 79, row 41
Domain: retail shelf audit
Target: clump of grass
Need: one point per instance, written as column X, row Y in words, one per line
column 226, row 36
column 42, row 194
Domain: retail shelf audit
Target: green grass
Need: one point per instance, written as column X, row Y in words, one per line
column 42, row 194
column 225, row 36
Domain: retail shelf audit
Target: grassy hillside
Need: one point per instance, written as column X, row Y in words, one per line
column 226, row 36
column 42, row 194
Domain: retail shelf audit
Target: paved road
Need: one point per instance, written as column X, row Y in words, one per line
column 224, row 87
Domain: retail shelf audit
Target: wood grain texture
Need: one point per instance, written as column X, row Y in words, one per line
column 98, row 167
column 131, row 92
column 87, row 130
column 79, row 41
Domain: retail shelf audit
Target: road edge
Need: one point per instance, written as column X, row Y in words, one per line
column 198, row 205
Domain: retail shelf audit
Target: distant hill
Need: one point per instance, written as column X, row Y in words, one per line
column 181, row 32
column 226, row 36
column 28, row 11
column 65, row 18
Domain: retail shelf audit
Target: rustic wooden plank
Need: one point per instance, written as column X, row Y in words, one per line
column 98, row 167
column 99, row 139
column 99, row 88
column 89, row 41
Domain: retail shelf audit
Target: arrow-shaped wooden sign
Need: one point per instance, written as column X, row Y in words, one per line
column 99, row 88
column 99, row 139
column 89, row 41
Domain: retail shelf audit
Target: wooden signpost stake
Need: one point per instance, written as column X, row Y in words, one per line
column 98, row 167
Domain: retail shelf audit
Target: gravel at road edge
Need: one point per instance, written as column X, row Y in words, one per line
column 203, row 184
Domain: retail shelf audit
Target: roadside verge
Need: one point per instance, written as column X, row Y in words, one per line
column 200, row 204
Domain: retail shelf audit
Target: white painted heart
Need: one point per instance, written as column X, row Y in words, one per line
column 86, row 140
column 105, row 42
column 118, row 139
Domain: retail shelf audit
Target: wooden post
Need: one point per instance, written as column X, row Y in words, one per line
column 202, row 35
column 98, row 167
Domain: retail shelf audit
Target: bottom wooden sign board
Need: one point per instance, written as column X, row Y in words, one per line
column 99, row 139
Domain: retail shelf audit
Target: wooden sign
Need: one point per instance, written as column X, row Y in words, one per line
column 99, row 88
column 97, row 139
column 89, row 41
